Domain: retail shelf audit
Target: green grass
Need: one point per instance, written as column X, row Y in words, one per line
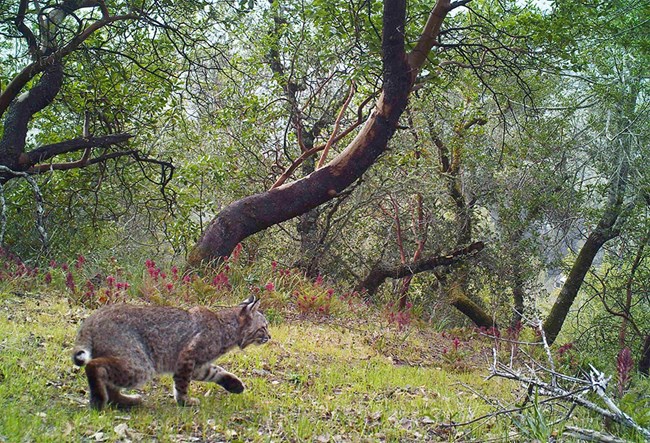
column 349, row 377
column 312, row 382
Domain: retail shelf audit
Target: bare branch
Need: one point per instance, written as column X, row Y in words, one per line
column 306, row 154
column 337, row 123
column 378, row 275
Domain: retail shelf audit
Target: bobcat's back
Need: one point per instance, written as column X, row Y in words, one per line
column 151, row 335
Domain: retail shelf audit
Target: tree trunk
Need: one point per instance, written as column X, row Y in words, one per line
column 473, row 311
column 569, row 291
column 258, row 212
column 606, row 230
column 19, row 114
column 454, row 287
column 308, row 230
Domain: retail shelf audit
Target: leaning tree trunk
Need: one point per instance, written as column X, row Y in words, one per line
column 607, row 229
column 258, row 212
column 457, row 296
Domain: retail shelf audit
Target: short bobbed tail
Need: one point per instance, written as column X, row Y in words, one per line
column 81, row 356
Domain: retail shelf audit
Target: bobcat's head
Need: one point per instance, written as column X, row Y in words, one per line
column 254, row 327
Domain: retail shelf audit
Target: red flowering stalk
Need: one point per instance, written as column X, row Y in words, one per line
column 236, row 253
column 220, row 281
column 624, row 366
column 69, row 282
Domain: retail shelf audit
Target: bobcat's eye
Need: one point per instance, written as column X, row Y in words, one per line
column 262, row 335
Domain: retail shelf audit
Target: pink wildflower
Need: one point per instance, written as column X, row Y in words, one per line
column 564, row 348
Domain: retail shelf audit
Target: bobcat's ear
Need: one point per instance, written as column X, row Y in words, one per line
column 248, row 301
column 250, row 305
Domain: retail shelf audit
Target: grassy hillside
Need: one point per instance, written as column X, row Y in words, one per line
column 336, row 369
column 312, row 382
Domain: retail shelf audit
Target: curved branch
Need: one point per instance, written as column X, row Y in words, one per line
column 38, row 155
column 32, row 45
column 379, row 274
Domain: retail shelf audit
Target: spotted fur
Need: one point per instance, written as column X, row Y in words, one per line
column 124, row 346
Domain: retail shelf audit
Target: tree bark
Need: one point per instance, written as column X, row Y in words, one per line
column 19, row 114
column 258, row 212
column 473, row 311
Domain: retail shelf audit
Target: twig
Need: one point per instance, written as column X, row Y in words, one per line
column 597, row 382
column 591, row 435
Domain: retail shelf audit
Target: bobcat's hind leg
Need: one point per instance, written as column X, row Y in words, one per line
column 106, row 375
column 213, row 373
column 120, row 400
column 96, row 375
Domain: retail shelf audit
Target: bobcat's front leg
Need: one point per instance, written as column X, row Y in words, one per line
column 213, row 373
column 182, row 378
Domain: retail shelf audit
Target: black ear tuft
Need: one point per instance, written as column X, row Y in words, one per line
column 249, row 301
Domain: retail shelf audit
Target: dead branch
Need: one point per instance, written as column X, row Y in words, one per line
column 595, row 381
column 337, row 123
column 306, row 154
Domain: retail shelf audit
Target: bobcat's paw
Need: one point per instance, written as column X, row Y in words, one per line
column 125, row 402
column 97, row 403
column 188, row 402
column 231, row 383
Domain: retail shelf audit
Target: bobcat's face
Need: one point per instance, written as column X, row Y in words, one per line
column 255, row 329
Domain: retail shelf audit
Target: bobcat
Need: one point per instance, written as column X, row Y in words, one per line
column 123, row 346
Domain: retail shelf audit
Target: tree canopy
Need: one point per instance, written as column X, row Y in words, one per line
column 485, row 156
